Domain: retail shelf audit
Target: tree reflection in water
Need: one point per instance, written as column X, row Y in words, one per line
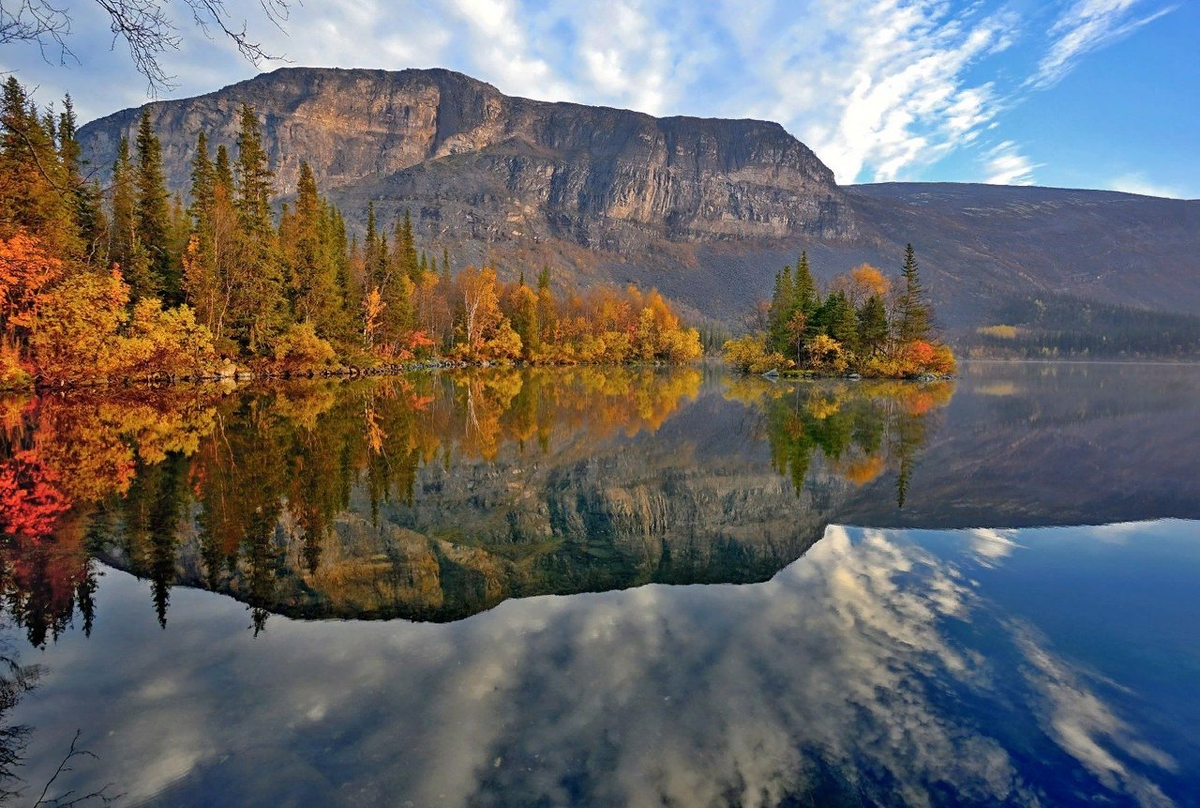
column 428, row 496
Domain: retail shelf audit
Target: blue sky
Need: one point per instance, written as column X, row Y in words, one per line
column 1075, row 93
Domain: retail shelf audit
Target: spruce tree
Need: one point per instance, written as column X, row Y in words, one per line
column 547, row 310
column 88, row 213
column 153, row 217
column 223, row 170
column 371, row 247
column 872, row 326
column 125, row 247
column 32, row 175
column 912, row 320
column 804, row 288
column 260, row 308
column 839, row 319
column 312, row 270
column 782, row 307
column 407, row 248
column 203, row 179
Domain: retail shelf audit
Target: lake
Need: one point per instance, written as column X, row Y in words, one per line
column 622, row 586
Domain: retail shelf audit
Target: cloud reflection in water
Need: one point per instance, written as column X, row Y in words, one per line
column 876, row 668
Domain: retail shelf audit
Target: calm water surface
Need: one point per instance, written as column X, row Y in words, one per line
column 609, row 587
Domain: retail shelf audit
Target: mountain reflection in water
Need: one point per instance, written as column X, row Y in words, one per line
column 434, row 497
column 952, row 650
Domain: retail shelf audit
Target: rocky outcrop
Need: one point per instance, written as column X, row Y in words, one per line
column 509, row 168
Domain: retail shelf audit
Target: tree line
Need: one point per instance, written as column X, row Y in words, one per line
column 130, row 281
column 1054, row 325
column 862, row 323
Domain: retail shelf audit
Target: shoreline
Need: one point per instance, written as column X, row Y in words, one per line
column 246, row 375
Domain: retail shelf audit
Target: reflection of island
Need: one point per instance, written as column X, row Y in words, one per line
column 435, row 497
column 860, row 428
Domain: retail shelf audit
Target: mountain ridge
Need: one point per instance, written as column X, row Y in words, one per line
column 706, row 209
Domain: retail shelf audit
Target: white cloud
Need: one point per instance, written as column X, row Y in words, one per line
column 1005, row 165
column 879, row 89
column 1136, row 183
column 1087, row 26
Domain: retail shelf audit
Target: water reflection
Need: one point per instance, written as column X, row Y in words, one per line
column 989, row 665
column 884, row 667
column 429, row 497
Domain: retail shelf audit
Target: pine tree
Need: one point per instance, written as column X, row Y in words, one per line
column 371, row 248
column 782, row 308
column 872, row 326
column 89, row 215
column 259, row 309
column 125, row 246
column 913, row 314
column 407, row 249
column 152, row 218
column 312, row 270
column 223, row 170
column 547, row 310
column 804, row 288
column 32, row 178
column 203, row 179
column 839, row 319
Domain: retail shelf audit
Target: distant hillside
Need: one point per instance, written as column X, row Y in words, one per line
column 705, row 209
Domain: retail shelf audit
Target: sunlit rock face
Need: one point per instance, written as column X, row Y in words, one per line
column 468, row 159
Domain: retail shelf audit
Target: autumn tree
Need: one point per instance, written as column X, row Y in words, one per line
column 479, row 305
column 33, row 183
column 522, row 303
column 26, row 272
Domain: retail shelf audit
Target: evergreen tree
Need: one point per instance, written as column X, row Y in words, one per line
column 32, row 178
column 912, row 314
column 152, row 218
column 89, row 215
column 839, row 319
column 523, row 312
column 371, row 248
column 259, row 309
column 203, row 180
column 312, row 268
column 547, row 310
column 804, row 288
column 223, row 170
column 872, row 326
column 782, row 307
column 406, row 249
column 125, row 246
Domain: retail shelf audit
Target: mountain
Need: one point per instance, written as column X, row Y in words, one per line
column 707, row 210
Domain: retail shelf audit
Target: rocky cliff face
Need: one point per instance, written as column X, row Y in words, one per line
column 467, row 157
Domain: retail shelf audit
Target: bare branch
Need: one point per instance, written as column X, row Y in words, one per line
column 66, row 800
column 145, row 26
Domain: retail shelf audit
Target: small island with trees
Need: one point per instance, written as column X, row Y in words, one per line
column 863, row 326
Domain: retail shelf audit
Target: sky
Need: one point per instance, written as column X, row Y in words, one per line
column 1065, row 93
